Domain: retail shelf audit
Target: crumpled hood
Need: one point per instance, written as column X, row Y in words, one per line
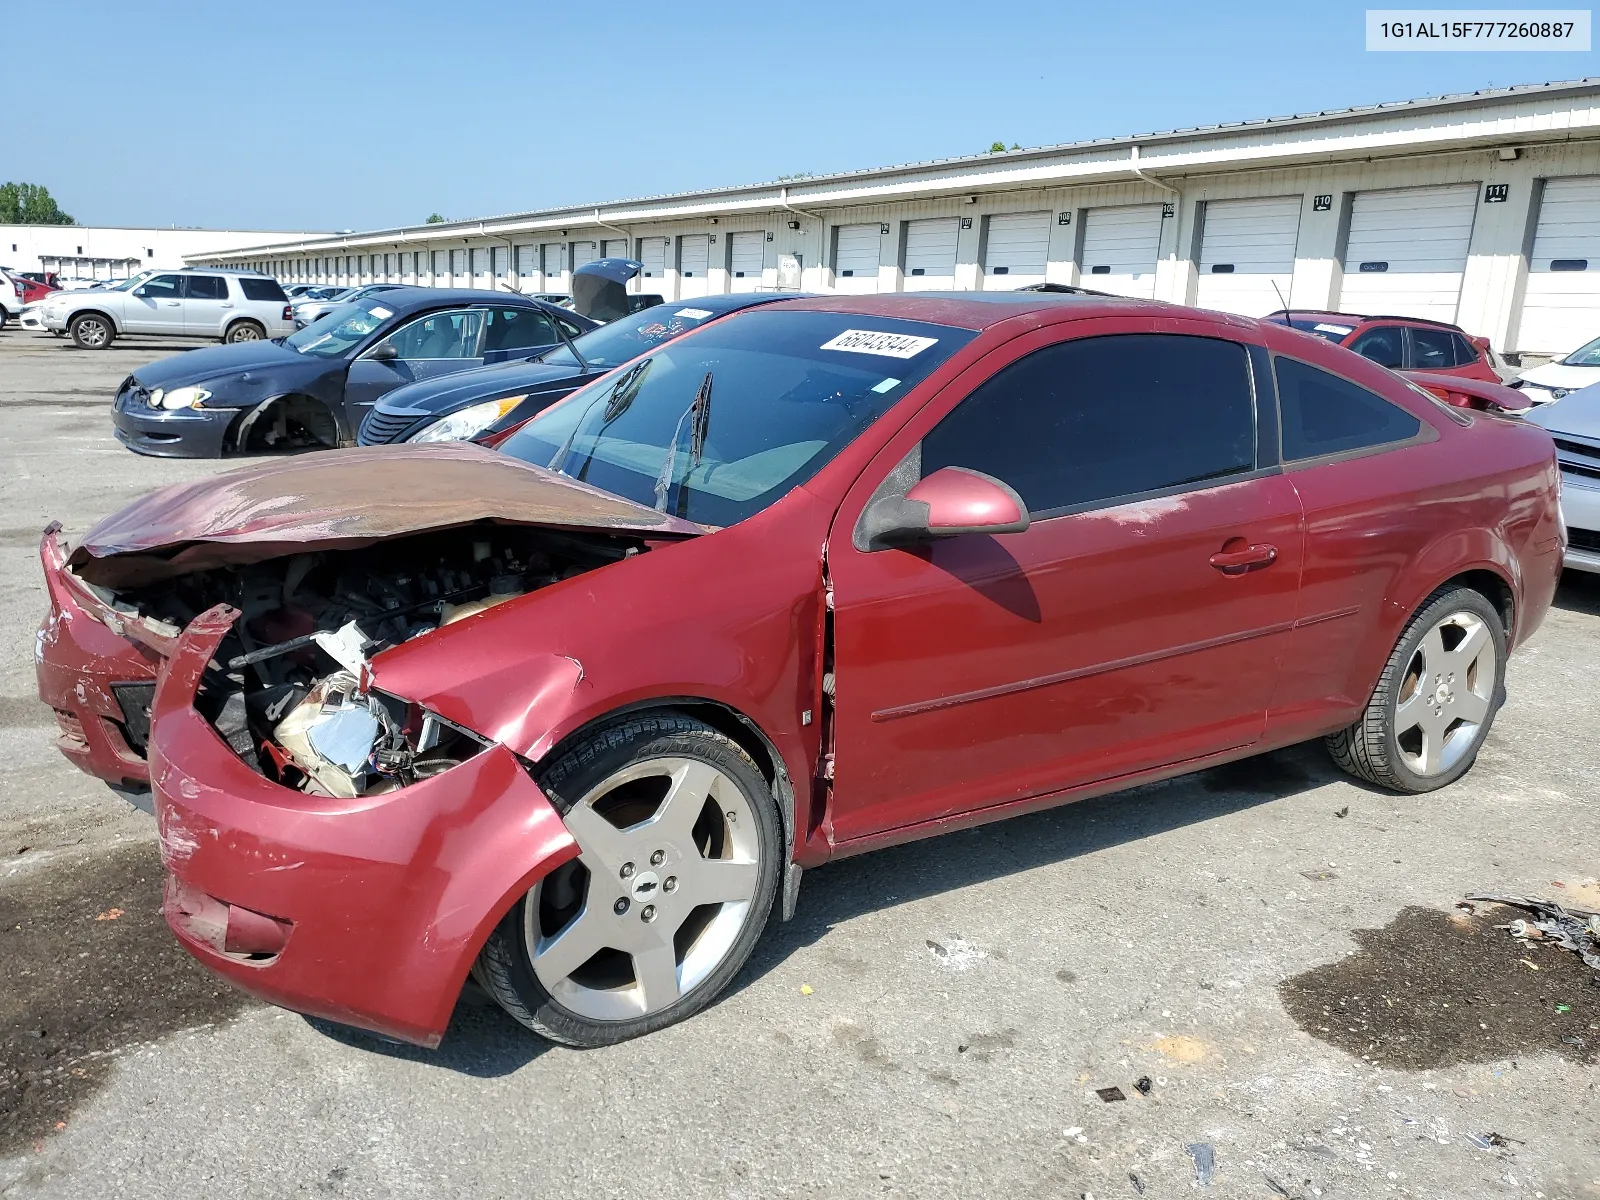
column 197, row 366
column 340, row 499
column 1578, row 414
column 445, row 394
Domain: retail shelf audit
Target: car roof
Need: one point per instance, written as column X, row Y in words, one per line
column 1319, row 314
column 406, row 298
column 728, row 303
column 979, row 310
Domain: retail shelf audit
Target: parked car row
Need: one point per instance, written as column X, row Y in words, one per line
column 747, row 585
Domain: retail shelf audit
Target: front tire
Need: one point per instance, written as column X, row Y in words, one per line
column 680, row 847
column 1436, row 699
column 91, row 331
column 244, row 331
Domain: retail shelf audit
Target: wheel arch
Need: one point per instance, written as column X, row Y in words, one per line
column 744, row 731
column 116, row 325
column 242, row 319
column 239, row 429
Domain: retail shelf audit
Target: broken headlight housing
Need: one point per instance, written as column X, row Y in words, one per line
column 343, row 741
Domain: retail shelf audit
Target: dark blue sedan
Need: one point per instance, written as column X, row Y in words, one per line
column 313, row 388
column 483, row 405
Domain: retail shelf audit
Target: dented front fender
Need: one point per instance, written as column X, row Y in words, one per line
column 388, row 897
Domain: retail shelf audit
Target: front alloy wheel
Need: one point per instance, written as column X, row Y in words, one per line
column 679, row 846
column 91, row 332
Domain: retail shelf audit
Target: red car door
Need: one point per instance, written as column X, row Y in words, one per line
column 1136, row 623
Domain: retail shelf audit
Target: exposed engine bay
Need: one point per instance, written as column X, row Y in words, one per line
column 288, row 689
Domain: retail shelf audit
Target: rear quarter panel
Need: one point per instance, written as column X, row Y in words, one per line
column 1383, row 531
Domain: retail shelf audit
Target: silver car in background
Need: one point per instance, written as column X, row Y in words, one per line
column 218, row 305
column 1574, row 423
column 315, row 303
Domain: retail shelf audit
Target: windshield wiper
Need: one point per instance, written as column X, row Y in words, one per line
column 616, row 404
column 700, row 409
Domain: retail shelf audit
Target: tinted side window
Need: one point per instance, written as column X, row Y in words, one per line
column 1099, row 418
column 1383, row 345
column 1466, row 352
column 439, row 335
column 207, row 287
column 516, row 329
column 162, row 287
column 1324, row 414
column 1433, row 349
column 263, row 289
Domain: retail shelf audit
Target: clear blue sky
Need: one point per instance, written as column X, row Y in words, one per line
column 356, row 115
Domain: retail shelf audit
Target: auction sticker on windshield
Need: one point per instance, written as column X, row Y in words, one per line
column 872, row 341
column 694, row 314
column 383, row 314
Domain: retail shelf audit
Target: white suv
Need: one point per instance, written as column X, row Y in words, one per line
column 228, row 306
column 10, row 298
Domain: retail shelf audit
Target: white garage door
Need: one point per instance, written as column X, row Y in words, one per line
column 1407, row 251
column 1120, row 247
column 527, row 268
column 615, row 248
column 482, row 265
column 931, row 254
column 552, row 264
column 855, row 258
column 1561, row 310
column 458, row 269
column 694, row 264
column 746, row 252
column 653, row 254
column 1015, row 250
column 1247, row 254
column 584, row 252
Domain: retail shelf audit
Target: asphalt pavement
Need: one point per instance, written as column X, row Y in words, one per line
column 1264, row 960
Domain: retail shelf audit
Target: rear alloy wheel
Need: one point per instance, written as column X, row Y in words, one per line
column 91, row 331
column 244, row 331
column 1436, row 699
column 679, row 846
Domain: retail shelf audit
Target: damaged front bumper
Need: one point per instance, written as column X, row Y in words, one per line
column 367, row 911
column 96, row 668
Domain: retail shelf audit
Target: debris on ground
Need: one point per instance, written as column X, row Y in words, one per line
column 1343, row 812
column 1205, row 1161
column 1574, row 929
column 1110, row 1094
column 1491, row 1140
column 1138, row 1184
column 956, row 953
column 1142, row 1085
column 1429, row 990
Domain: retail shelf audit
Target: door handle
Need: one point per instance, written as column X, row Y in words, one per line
column 172, row 303
column 1238, row 556
column 228, row 305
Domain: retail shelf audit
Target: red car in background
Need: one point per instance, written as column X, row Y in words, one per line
column 820, row 577
column 1399, row 343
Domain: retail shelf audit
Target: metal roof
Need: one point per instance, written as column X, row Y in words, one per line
column 590, row 214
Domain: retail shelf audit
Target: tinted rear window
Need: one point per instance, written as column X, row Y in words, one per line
column 1324, row 414
column 207, row 287
column 263, row 289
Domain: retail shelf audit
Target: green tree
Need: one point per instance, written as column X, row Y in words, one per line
column 435, row 219
column 1000, row 147
column 30, row 204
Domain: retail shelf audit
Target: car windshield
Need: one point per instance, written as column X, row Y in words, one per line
column 718, row 426
column 334, row 333
column 130, row 284
column 1584, row 356
column 625, row 339
column 1333, row 331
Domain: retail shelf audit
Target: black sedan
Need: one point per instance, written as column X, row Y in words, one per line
column 483, row 405
column 313, row 388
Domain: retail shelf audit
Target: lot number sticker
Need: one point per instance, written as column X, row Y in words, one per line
column 871, row 341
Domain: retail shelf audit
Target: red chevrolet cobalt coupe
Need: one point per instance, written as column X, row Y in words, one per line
column 821, row 577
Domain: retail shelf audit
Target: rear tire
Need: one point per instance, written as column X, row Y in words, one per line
column 91, row 331
column 680, row 857
column 244, row 331
column 1436, row 698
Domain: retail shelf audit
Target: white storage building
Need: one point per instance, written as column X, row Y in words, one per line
column 1481, row 209
column 101, row 252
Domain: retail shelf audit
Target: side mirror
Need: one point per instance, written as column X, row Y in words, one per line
column 140, row 291
column 950, row 502
column 383, row 352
